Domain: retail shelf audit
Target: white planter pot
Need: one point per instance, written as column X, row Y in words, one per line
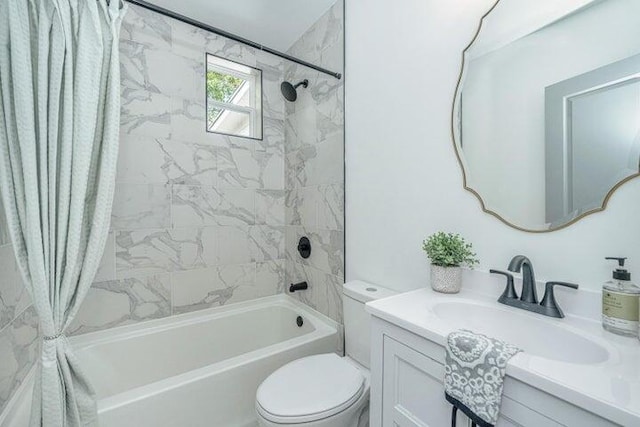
column 447, row 280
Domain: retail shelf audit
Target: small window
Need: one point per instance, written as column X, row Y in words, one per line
column 234, row 98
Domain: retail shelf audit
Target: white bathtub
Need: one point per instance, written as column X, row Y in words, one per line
column 198, row 369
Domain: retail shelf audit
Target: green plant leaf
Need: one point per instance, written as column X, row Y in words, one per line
column 449, row 250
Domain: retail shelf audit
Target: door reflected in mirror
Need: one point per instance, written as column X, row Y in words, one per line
column 546, row 119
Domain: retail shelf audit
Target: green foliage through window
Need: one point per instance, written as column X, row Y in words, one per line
column 233, row 98
column 222, row 87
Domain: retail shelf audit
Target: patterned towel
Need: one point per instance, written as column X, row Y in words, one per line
column 474, row 375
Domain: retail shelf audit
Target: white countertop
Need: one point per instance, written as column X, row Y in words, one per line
column 610, row 389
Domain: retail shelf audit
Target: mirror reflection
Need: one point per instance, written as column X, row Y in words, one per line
column 546, row 118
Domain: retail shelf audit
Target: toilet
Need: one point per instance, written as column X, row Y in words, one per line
column 326, row 390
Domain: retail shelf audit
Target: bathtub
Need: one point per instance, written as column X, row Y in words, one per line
column 197, row 369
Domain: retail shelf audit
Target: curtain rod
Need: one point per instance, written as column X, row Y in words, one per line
column 203, row 26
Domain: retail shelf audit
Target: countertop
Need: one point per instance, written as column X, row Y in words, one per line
column 610, row 389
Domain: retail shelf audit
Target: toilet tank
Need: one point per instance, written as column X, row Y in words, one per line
column 357, row 322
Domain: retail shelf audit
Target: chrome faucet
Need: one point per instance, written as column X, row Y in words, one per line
column 529, row 297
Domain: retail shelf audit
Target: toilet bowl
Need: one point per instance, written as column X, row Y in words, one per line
column 317, row 391
column 326, row 390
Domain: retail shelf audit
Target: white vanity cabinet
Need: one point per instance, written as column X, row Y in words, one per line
column 407, row 391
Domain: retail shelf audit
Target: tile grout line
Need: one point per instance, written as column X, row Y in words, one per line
column 10, row 323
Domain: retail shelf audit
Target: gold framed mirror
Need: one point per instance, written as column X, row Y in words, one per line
column 546, row 115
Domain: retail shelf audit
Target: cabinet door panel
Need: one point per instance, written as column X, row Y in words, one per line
column 407, row 389
column 413, row 392
column 505, row 422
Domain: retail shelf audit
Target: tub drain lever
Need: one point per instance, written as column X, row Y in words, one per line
column 298, row 286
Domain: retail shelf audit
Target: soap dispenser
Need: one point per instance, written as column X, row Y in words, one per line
column 620, row 302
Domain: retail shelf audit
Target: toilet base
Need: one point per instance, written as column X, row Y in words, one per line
column 355, row 416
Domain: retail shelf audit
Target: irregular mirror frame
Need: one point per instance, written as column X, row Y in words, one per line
column 546, row 116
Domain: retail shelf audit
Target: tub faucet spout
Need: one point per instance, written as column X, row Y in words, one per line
column 298, row 286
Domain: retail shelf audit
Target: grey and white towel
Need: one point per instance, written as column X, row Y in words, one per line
column 475, row 367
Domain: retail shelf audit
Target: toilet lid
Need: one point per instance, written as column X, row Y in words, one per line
column 309, row 389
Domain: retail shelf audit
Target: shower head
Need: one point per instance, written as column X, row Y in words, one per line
column 289, row 91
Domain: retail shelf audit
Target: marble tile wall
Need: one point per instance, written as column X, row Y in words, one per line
column 198, row 218
column 18, row 322
column 314, row 169
column 19, row 346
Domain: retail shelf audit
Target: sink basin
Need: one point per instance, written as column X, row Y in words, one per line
column 536, row 336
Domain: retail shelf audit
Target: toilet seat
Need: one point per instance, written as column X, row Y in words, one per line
column 310, row 389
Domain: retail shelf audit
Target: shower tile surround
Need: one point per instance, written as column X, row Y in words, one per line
column 203, row 219
column 314, row 170
column 198, row 218
column 18, row 322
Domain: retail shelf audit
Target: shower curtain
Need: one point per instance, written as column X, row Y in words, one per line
column 59, row 126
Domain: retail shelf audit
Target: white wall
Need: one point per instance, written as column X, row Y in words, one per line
column 403, row 181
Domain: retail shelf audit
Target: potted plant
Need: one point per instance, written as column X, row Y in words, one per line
column 448, row 252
